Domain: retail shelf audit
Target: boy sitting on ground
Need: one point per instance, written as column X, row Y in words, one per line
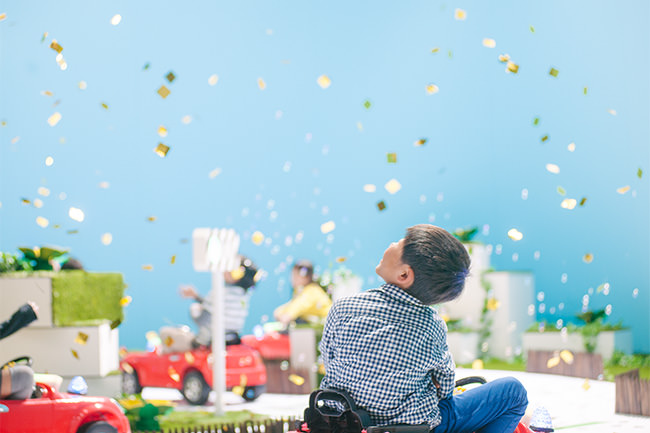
column 388, row 348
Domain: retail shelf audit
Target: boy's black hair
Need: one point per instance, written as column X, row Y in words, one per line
column 439, row 261
column 250, row 272
column 306, row 268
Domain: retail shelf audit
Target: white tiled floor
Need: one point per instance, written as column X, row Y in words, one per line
column 572, row 407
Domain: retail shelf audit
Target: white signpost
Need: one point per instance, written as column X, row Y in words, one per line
column 215, row 250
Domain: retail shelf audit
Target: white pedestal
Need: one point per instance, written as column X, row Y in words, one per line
column 303, row 351
column 607, row 342
column 463, row 346
column 15, row 292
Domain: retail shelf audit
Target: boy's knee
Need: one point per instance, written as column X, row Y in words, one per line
column 515, row 390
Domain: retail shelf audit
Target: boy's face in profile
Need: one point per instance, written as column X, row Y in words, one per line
column 299, row 277
column 391, row 268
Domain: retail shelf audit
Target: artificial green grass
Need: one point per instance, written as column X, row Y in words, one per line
column 180, row 419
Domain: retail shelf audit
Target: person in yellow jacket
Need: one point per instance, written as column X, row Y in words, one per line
column 310, row 303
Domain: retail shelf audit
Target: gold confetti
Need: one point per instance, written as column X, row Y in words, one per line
column 512, row 67
column 83, row 85
column 553, row 168
column 381, row 205
column 623, row 189
column 76, row 214
column 420, row 142
column 239, row 390
column 214, row 173
column 391, row 157
column 162, row 131
column 38, row 203
column 536, row 121
column 161, row 150
column 369, row 187
column 25, row 201
column 460, row 14
column 43, row 191
column 297, row 380
column 257, row 238
column 54, row 119
column 544, row 139
column 43, row 37
column 435, row 50
column 213, row 79
column 327, row 227
column 340, row 259
column 46, row 93
column 42, row 221
column 107, row 238
column 173, row 374
column 169, row 341
column 560, row 190
column 503, row 58
column 81, row 338
column 432, row 88
column 324, row 81
column 583, row 200
column 515, row 234
column 261, row 84
column 586, row 385
column 553, row 362
column 393, row 186
column 170, row 77
column 126, row 367
column 489, row 43
column 163, row 91
column 72, row 232
column 55, row 46
column 104, row 105
column 492, row 304
column 126, row 300
column 477, row 364
column 172, row 260
column 187, row 119
column 588, row 258
column 568, row 203
column 571, row 147
column 612, row 112
column 238, row 274
column 3, row 16
column 639, row 173
column 243, row 380
column 567, row 356
column 116, row 19
column 74, row 353
column 553, row 72
column 189, row 357
column 147, row 267
column 584, row 90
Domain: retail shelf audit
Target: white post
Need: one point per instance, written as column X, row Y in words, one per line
column 218, row 342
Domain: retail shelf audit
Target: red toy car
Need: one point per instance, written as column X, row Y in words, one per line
column 274, row 345
column 51, row 411
column 191, row 372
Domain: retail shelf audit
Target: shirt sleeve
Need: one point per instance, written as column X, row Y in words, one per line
column 326, row 342
column 21, row 318
column 444, row 370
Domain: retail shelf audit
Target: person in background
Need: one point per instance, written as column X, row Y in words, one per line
column 16, row 382
column 310, row 303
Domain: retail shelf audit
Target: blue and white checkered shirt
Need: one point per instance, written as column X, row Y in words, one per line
column 383, row 347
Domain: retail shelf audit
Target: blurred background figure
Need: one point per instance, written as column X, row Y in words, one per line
column 310, row 303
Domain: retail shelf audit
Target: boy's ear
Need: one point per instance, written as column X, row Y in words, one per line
column 406, row 276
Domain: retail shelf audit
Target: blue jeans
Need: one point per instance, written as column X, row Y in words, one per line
column 495, row 407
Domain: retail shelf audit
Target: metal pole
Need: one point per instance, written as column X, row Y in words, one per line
column 218, row 342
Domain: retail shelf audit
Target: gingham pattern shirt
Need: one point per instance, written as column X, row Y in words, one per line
column 383, row 347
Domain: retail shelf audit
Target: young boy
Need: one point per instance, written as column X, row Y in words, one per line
column 388, row 349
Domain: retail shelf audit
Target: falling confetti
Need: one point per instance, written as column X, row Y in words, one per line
column 477, row 364
column 553, row 362
column 163, row 91
column 393, row 186
column 588, row 258
column 639, row 173
column 261, row 84
column 381, row 205
column 536, row 121
column 214, row 173
column 560, row 190
column 369, row 187
column 162, row 131
column 340, row 259
column 104, row 105
column 54, row 119
column 612, row 112
column 81, row 338
column 152, row 218
column 489, row 43
column 297, row 380
column 83, row 85
column 257, row 238
column 553, row 72
column 74, row 353
column 512, row 67
column 126, row 300
column 623, row 189
column 173, row 374
column 571, row 147
column 515, row 234
column 460, row 14
column 172, row 260
column 42, row 221
column 239, row 390
column 532, row 29
column 116, row 19
column 107, row 238
column 43, row 191
column 189, row 357
column 432, row 88
column 3, row 16
column 586, row 385
column 504, row 58
column 168, row 341
column 391, row 158
column 420, row 142
column 567, row 356
column 170, row 77
column 553, row 168
column 324, row 81
column 584, row 90
column 161, row 150
column 327, row 227
column 55, row 46
column 492, row 304
column 76, row 214
column 367, row 104
column 38, row 203
column 544, row 139
column 213, row 79
column 147, row 267
column 583, row 200
column 568, row 203
column 146, row 66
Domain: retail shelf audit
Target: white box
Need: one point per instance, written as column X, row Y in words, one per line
column 463, row 346
column 607, row 342
column 15, row 292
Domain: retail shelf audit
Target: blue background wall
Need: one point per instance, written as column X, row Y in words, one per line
column 294, row 155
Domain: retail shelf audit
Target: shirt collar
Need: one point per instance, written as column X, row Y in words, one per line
column 400, row 294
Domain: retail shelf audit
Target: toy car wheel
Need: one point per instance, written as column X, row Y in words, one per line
column 252, row 392
column 98, row 427
column 195, row 389
column 131, row 383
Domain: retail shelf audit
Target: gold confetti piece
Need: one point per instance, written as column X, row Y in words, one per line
column 369, row 188
column 162, row 131
column 169, row 341
column 639, row 173
column 435, row 50
column 297, row 380
column 25, row 201
column 76, row 214
column 161, row 150
column 187, row 119
column 189, row 357
column 172, row 260
column 238, row 274
column 147, row 267
column 38, row 203
column 553, row 72
column 623, row 189
column 126, row 300
column 560, row 190
column 432, row 88
column 55, row 46
column 536, row 121
column 420, row 142
column 170, row 77
column 393, row 186
column 173, row 374
column 72, row 232
column 544, row 139
column 261, row 84
column 503, row 58
column 214, row 173
column 584, row 90
column 512, row 67
column 381, row 205
column 567, row 356
column 532, row 29
column 367, row 104
column 612, row 112
column 3, row 123
column 568, row 203
column 42, row 221
column 82, row 85
column 553, row 168
column 43, row 191
column 477, row 364
column 239, row 390
column 81, row 338
column 54, row 119
column 163, row 91
column 151, row 218
column 104, row 105
column 74, row 353
column 489, row 43
column 324, row 81
column 571, row 147
column 327, row 227
column 460, row 14
column 126, row 367
column 340, row 259
column 515, row 234
column 116, row 19
column 257, row 238
column 46, row 93
column 107, row 238
column 3, row 16
column 588, row 258
column 214, row 78
column 586, row 385
column 492, row 304
column 391, row 157
column 553, row 362
column 583, row 200
column 104, row 184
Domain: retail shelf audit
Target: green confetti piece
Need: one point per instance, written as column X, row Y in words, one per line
column 532, row 29
column 391, row 157
column 583, row 200
column 450, row 54
column 536, row 121
column 561, row 190
column 584, row 90
column 367, row 104
column 639, row 173
column 553, row 72
column 146, row 66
